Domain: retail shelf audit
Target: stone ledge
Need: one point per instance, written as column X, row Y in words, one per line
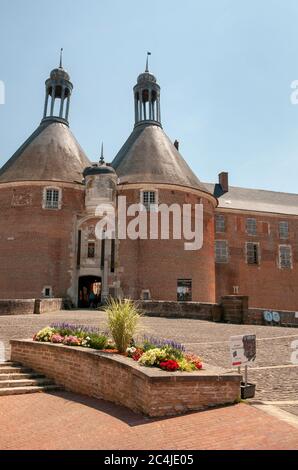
column 118, row 379
column 30, row 306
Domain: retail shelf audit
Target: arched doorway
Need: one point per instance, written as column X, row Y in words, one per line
column 90, row 288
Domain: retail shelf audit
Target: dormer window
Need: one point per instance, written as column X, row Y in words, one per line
column 52, row 198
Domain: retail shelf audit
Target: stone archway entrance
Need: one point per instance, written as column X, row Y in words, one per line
column 90, row 289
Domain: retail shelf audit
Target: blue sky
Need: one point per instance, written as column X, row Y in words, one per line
column 225, row 68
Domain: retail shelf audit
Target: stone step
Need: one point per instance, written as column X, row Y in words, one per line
column 9, row 364
column 25, row 383
column 23, row 390
column 20, row 376
column 14, row 369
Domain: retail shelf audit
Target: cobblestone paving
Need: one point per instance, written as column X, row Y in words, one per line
column 275, row 382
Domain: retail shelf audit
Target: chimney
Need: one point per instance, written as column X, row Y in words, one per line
column 223, row 179
column 176, row 143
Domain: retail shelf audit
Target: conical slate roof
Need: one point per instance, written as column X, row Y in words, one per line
column 149, row 156
column 50, row 154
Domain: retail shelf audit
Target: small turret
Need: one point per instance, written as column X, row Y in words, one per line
column 101, row 184
column 147, row 98
column 58, row 90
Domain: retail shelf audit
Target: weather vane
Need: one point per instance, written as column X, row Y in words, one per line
column 61, row 57
column 102, row 160
column 147, row 62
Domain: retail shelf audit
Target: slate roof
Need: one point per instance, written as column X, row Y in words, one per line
column 50, row 154
column 258, row 200
column 149, row 156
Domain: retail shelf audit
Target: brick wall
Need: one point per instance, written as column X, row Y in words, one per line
column 156, row 265
column 48, row 305
column 17, row 307
column 30, row 306
column 266, row 285
column 255, row 316
column 118, row 379
column 199, row 311
column 37, row 245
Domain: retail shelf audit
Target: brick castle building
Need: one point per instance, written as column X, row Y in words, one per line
column 49, row 192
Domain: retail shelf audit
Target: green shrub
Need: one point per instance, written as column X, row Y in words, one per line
column 123, row 317
column 98, row 341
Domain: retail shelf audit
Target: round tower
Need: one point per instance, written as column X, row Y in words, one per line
column 41, row 195
column 151, row 171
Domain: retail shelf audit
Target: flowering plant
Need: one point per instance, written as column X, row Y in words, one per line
column 130, row 351
column 44, row 335
column 170, row 366
column 194, row 360
column 57, row 339
column 153, row 357
column 71, row 341
column 137, row 354
column 86, row 342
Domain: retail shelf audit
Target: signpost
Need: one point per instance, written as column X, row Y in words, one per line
column 243, row 352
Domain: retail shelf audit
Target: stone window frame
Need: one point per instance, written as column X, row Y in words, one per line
column 50, row 288
column 257, row 244
column 283, row 232
column 251, row 226
column 146, row 293
column 221, row 259
column 290, row 257
column 152, row 207
column 220, row 223
column 44, row 198
column 189, row 281
column 91, row 242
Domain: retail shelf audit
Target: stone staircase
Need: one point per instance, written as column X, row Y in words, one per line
column 16, row 379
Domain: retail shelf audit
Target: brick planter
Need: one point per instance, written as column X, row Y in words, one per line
column 118, row 379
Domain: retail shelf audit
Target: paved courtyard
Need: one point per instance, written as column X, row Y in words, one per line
column 67, row 421
column 276, row 377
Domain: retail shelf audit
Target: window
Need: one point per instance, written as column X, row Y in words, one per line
column 184, row 290
column 102, row 257
column 91, row 250
column 113, row 248
column 47, row 292
column 149, row 200
column 220, row 224
column 252, row 253
column 52, row 198
column 221, row 251
column 146, row 294
column 285, row 257
column 251, row 226
column 79, row 248
column 283, row 230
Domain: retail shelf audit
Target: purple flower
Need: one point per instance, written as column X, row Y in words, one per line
column 76, row 328
column 161, row 343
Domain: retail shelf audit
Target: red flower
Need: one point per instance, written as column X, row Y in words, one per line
column 170, row 366
column 137, row 354
column 198, row 365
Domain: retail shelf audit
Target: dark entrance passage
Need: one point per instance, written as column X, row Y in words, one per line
column 89, row 292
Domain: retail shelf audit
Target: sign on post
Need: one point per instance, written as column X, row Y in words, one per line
column 243, row 349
